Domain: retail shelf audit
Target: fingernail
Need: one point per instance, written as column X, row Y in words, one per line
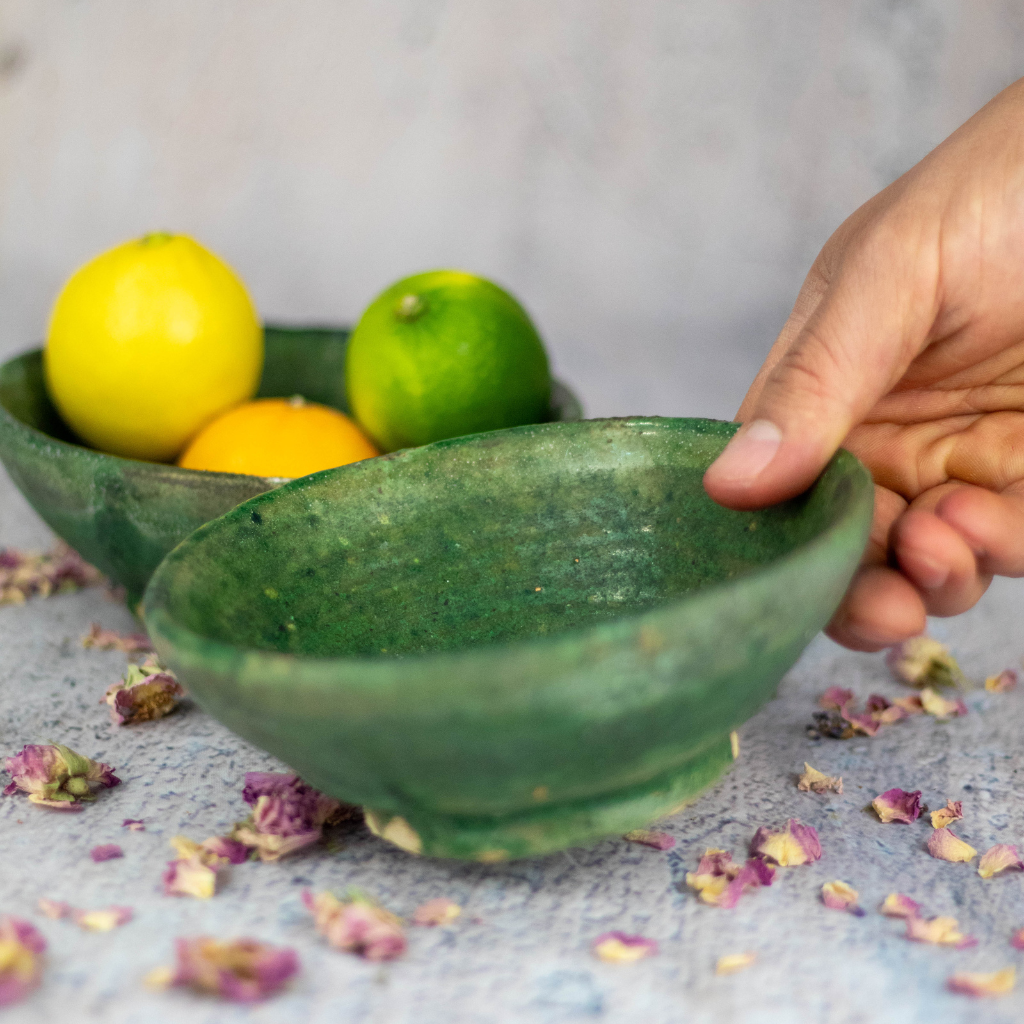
column 749, row 452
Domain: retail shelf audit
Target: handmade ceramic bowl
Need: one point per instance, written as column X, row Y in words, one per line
column 123, row 515
column 509, row 643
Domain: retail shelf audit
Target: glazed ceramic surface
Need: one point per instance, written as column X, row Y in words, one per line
column 123, row 515
column 509, row 643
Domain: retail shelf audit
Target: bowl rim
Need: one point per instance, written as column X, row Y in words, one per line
column 194, row 648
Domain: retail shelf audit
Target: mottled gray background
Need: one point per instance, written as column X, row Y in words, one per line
column 651, row 177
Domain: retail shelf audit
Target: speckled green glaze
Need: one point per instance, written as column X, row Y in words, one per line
column 510, row 643
column 123, row 515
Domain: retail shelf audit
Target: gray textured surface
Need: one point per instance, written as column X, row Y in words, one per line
column 521, row 952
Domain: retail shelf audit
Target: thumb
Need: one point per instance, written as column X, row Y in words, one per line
column 851, row 350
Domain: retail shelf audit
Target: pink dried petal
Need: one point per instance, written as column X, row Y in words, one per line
column 134, row 824
column 998, row 983
column 190, row 876
column 940, row 931
column 940, row 707
column 724, row 882
column 841, row 896
column 55, row 776
column 898, row 905
column 1001, row 857
column 25, row 574
column 620, row 948
column 102, row 920
column 242, row 970
column 922, row 661
column 356, row 925
column 863, row 723
column 146, row 693
column 109, row 851
column 109, row 640
column 647, row 837
column 898, row 805
column 910, row 705
column 799, row 844
column 953, row 811
column 1017, row 939
column 716, row 862
column 813, row 781
column 1003, row 682
column 436, row 912
column 229, row 849
column 943, row 845
column 835, row 698
column 21, row 947
column 54, row 909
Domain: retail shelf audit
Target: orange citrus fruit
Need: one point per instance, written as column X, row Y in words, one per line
column 148, row 342
column 443, row 354
column 279, row 437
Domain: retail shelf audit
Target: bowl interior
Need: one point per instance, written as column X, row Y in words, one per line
column 473, row 542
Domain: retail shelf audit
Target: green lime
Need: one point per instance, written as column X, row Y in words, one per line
column 443, row 354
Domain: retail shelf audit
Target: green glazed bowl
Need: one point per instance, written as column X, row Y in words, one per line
column 123, row 516
column 508, row 643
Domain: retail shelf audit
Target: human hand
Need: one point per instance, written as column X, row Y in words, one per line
column 906, row 346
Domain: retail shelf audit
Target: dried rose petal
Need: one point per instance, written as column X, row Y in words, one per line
column 1001, row 857
column 55, row 776
column 865, row 723
column 109, row 640
column 943, row 845
column 940, row 931
column 102, row 920
column 230, row 850
column 720, row 882
column 940, row 707
column 922, row 661
column 797, row 845
column 108, row 851
column 898, row 905
column 436, row 912
column 1003, row 682
column 190, row 876
column 620, row 948
column 54, row 909
column 646, row 837
column 21, row 947
column 134, row 824
column 242, row 970
column 814, row 781
column 998, row 983
column 734, row 962
column 911, row 705
column 1017, row 939
column 356, row 925
column 835, row 698
column 953, row 811
column 840, row 896
column 287, row 814
column 25, row 574
column 147, row 692
column 898, row 805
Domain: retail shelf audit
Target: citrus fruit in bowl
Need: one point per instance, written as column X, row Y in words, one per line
column 442, row 354
column 279, row 438
column 149, row 341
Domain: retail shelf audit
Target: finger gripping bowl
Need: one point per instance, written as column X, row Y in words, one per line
column 509, row 643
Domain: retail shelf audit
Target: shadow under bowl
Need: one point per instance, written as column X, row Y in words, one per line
column 509, row 643
column 123, row 515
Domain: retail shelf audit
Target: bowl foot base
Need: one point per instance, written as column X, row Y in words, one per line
column 551, row 827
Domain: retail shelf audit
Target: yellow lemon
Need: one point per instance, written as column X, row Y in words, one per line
column 148, row 342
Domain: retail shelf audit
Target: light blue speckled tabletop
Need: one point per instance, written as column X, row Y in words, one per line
column 521, row 952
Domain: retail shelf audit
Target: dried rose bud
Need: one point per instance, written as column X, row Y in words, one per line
column 646, row 837
column 922, row 661
column 242, row 970
column 734, row 962
column 21, row 949
column 1001, row 857
column 356, row 925
column 620, row 948
column 287, row 814
column 1003, row 681
column 146, row 693
column 953, row 811
column 102, row 920
column 813, row 781
column 109, row 640
column 898, row 805
column 55, row 776
column 436, row 912
column 109, row 851
column 998, row 983
column 840, row 896
column 898, row 905
column 799, row 844
column 940, row 707
column 943, row 845
column 940, row 931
